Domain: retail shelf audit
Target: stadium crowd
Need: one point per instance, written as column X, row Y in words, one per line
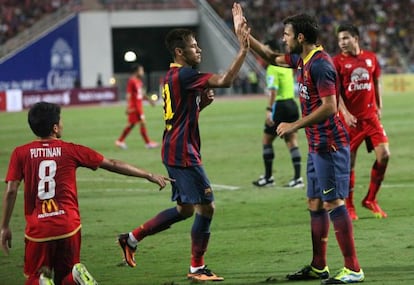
column 17, row 15
column 385, row 26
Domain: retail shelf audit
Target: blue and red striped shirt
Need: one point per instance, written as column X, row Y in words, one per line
column 182, row 89
column 317, row 78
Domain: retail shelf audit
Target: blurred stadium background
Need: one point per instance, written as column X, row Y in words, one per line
column 80, row 51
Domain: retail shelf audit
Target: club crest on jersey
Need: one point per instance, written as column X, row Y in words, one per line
column 368, row 61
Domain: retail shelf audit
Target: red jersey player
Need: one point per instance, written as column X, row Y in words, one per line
column 53, row 227
column 135, row 110
column 359, row 73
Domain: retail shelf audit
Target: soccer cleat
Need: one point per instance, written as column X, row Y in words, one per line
column 151, row 145
column 121, row 144
column 204, row 274
column 309, row 273
column 345, row 276
column 129, row 252
column 295, row 183
column 45, row 277
column 82, row 276
column 264, row 182
column 352, row 213
column 374, row 208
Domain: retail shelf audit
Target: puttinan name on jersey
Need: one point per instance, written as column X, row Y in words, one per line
column 45, row 152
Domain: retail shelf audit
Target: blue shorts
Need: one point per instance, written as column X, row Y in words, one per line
column 328, row 174
column 191, row 185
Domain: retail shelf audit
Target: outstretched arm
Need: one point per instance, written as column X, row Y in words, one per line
column 227, row 78
column 124, row 168
column 262, row 50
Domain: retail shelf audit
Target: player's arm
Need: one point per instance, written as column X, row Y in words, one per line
column 124, row 168
column 207, row 97
column 9, row 200
column 378, row 97
column 269, row 107
column 262, row 50
column 326, row 109
column 226, row 79
column 350, row 119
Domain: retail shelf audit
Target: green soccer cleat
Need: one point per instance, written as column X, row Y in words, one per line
column 82, row 276
column 309, row 273
column 345, row 276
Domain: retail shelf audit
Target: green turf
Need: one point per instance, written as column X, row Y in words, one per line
column 256, row 233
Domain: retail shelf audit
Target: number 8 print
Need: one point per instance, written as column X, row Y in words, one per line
column 47, row 185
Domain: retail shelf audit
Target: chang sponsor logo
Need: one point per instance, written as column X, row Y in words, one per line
column 359, row 80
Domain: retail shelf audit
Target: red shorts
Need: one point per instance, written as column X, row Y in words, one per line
column 370, row 130
column 58, row 255
column 136, row 117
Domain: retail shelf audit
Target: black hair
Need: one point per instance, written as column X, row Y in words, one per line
column 304, row 24
column 135, row 66
column 348, row 28
column 178, row 38
column 42, row 117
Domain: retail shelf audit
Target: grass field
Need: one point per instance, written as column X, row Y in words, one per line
column 256, row 233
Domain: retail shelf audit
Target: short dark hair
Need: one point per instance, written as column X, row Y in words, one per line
column 304, row 24
column 178, row 38
column 353, row 30
column 42, row 117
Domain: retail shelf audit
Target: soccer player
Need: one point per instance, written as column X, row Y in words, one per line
column 186, row 92
column 135, row 110
column 281, row 108
column 328, row 164
column 361, row 105
column 53, row 227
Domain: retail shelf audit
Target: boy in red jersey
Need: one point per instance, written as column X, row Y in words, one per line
column 361, row 104
column 328, row 164
column 135, row 110
column 53, row 227
column 186, row 92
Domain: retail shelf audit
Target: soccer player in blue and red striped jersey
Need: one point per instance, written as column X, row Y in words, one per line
column 186, row 92
column 328, row 165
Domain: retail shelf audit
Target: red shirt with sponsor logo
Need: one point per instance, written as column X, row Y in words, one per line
column 135, row 87
column 357, row 74
column 48, row 169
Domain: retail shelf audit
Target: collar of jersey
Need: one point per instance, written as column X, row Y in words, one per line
column 311, row 53
column 174, row 64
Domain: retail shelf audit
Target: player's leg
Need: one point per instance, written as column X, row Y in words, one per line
column 378, row 140
column 291, row 142
column 357, row 136
column 379, row 167
column 143, row 130
column 349, row 201
column 334, row 171
column 38, row 263
column 132, row 120
column 318, row 268
column 268, row 154
column 203, row 199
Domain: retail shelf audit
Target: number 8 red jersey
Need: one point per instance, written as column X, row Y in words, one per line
column 48, row 169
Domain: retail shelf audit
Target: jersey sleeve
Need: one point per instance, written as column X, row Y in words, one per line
column 15, row 170
column 87, row 157
column 292, row 60
column 324, row 77
column 193, row 79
